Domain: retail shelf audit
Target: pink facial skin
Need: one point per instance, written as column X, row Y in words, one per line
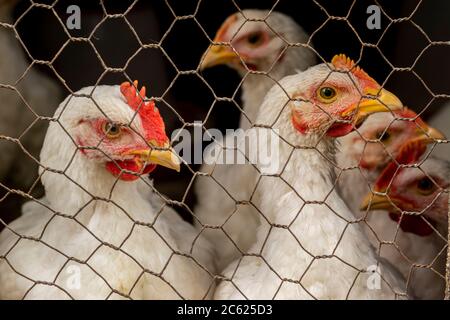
column 110, row 143
column 418, row 190
column 336, row 110
column 255, row 43
column 98, row 146
column 381, row 136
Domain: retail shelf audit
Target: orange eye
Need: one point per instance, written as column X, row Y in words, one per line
column 112, row 130
column 327, row 94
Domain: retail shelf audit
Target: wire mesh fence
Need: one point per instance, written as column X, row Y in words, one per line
column 447, row 292
column 347, row 205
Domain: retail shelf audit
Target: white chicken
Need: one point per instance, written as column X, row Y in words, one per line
column 263, row 46
column 421, row 235
column 363, row 154
column 362, row 157
column 268, row 42
column 34, row 91
column 308, row 245
column 101, row 232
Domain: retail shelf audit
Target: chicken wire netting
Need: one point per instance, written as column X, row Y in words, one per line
column 164, row 44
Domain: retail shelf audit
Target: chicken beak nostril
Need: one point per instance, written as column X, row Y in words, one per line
column 434, row 134
column 375, row 202
column 166, row 157
column 371, row 103
column 428, row 135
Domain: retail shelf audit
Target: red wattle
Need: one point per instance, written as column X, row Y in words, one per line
column 251, row 67
column 413, row 224
column 339, row 130
column 116, row 169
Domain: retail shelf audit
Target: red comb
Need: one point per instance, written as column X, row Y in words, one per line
column 342, row 62
column 151, row 119
column 409, row 153
column 406, row 113
column 409, row 114
column 134, row 100
column 224, row 27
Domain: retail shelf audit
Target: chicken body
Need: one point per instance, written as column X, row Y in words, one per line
column 100, row 232
column 262, row 50
column 363, row 155
column 307, row 246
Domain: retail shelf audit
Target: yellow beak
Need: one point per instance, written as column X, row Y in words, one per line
column 218, row 54
column 429, row 134
column 376, row 202
column 375, row 100
column 166, row 158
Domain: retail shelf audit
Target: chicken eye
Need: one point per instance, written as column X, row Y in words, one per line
column 327, row 94
column 425, row 186
column 255, row 39
column 383, row 136
column 112, row 130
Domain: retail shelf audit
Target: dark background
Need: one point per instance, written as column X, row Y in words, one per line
column 402, row 44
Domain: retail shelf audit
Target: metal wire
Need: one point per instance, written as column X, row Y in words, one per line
column 27, row 194
column 447, row 280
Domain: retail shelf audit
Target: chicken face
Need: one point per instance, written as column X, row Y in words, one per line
column 338, row 98
column 382, row 135
column 126, row 136
column 253, row 45
column 413, row 189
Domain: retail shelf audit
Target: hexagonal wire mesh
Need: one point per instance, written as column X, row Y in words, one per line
column 447, row 288
column 179, row 263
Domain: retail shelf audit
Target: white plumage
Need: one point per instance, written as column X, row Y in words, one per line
column 293, row 233
column 92, row 224
column 307, row 246
column 420, row 241
column 229, row 183
column 362, row 156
